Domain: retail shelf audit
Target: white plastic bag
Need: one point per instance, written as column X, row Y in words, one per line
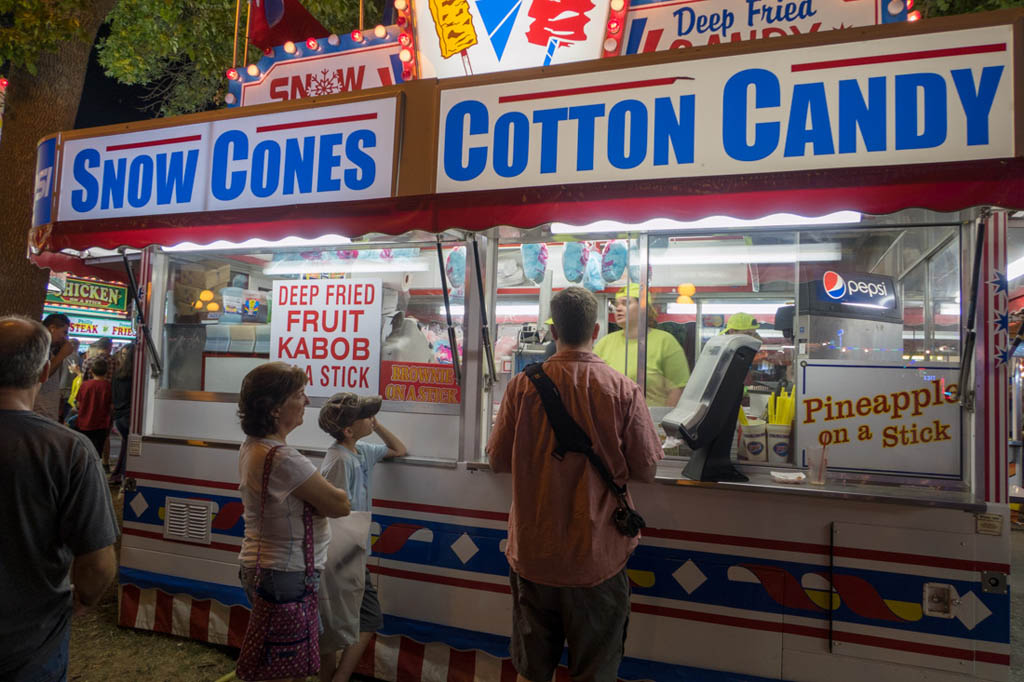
column 341, row 582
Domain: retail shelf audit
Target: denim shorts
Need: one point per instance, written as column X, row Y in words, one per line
column 278, row 586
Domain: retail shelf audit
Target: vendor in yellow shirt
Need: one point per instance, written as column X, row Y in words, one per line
column 667, row 369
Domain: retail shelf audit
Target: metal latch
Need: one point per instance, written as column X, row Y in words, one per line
column 939, row 600
column 993, row 582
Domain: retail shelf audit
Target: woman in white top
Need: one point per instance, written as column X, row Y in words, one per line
column 271, row 405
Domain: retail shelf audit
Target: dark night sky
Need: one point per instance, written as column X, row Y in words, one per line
column 105, row 101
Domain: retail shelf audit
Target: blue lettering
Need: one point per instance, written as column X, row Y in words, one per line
column 266, row 168
column 548, row 119
column 809, row 99
column 476, row 157
column 84, row 200
column 585, row 116
column 933, row 132
column 515, row 126
column 363, row 175
column 325, row 180
column 114, row 175
column 619, row 156
column 668, row 128
column 140, row 181
column 856, row 114
column 174, row 181
column 238, row 144
column 734, row 115
column 299, row 165
column 977, row 104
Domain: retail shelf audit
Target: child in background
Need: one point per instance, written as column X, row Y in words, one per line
column 94, row 405
column 349, row 464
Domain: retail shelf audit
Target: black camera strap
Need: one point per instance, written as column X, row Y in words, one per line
column 570, row 436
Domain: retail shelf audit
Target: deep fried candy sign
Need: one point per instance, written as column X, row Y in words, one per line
column 464, row 37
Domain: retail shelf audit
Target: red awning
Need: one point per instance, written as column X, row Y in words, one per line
column 881, row 190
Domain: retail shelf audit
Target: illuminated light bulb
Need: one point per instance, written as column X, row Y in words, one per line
column 405, row 55
column 405, row 39
column 617, row 5
column 333, row 40
column 230, row 98
column 4, row 83
column 289, row 47
column 252, row 70
column 313, row 43
column 205, row 295
column 614, row 26
column 357, row 36
column 895, row 7
column 910, row 5
column 914, row 16
column 213, row 306
column 198, row 305
column 400, row 21
column 401, row 5
column 611, row 45
column 232, row 74
column 269, row 52
column 380, row 31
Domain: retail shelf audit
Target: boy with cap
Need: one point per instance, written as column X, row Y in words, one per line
column 348, row 465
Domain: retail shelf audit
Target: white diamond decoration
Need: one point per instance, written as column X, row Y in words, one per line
column 465, row 548
column 138, row 504
column 689, row 576
column 971, row 610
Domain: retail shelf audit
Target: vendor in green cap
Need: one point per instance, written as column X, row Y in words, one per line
column 742, row 323
column 667, row 369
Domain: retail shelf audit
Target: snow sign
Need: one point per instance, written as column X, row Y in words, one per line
column 331, row 330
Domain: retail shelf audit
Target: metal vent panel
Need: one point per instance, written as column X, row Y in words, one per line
column 188, row 520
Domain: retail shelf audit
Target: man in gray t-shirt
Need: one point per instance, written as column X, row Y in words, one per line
column 59, row 527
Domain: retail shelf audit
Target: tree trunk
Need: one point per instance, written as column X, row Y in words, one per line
column 36, row 106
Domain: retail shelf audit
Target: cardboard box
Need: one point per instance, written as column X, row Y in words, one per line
column 203, row 277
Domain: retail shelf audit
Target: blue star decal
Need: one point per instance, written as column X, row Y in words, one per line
column 1000, row 282
column 1002, row 322
column 1002, row 356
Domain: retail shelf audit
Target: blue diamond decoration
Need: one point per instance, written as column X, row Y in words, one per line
column 499, row 16
column 1000, row 282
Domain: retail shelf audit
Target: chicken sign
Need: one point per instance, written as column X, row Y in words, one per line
column 464, row 37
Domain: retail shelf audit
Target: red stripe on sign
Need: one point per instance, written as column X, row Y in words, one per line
column 508, row 671
column 153, row 143
column 318, row 122
column 157, row 536
column 822, row 633
column 899, row 57
column 129, row 610
column 990, row 657
column 462, row 666
column 205, row 483
column 436, row 509
column 238, row 621
column 199, row 620
column 162, row 617
column 410, row 661
column 572, row 92
column 442, row 579
column 811, row 548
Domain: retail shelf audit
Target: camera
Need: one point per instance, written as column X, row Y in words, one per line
column 628, row 521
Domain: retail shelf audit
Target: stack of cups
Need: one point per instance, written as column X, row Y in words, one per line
column 752, row 442
column 778, row 443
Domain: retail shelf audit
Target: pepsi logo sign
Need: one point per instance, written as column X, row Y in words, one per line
column 781, row 449
column 754, row 447
column 834, row 284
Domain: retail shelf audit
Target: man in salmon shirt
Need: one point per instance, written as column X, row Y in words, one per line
column 568, row 559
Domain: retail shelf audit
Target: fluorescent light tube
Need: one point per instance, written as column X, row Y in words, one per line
column 299, row 267
column 746, row 253
column 224, row 245
column 711, row 222
column 502, row 309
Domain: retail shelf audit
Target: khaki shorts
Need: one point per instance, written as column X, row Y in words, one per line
column 592, row 620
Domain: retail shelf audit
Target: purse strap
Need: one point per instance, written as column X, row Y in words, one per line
column 307, row 522
column 570, row 436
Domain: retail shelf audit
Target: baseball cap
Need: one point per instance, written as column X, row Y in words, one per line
column 742, row 322
column 343, row 409
column 632, row 290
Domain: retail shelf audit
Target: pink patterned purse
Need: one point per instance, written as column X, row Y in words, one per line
column 282, row 640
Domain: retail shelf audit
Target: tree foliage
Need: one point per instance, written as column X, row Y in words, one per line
column 180, row 50
column 942, row 8
column 31, row 27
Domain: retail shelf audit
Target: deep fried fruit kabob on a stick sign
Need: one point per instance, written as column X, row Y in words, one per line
column 454, row 25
